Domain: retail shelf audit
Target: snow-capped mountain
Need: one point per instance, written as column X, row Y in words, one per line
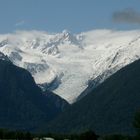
column 66, row 63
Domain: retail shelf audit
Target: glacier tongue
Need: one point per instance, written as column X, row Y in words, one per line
column 66, row 61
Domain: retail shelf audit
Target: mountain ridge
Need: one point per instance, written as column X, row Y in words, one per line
column 23, row 106
column 66, row 62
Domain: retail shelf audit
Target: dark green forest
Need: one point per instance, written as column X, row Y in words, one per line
column 87, row 135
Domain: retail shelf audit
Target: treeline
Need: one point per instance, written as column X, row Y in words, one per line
column 8, row 134
column 88, row 135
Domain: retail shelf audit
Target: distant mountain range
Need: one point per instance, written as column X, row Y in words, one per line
column 23, row 106
column 67, row 63
column 107, row 109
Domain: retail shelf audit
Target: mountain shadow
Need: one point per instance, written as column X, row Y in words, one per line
column 23, row 106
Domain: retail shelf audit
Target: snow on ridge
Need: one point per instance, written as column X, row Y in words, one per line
column 73, row 59
column 4, row 57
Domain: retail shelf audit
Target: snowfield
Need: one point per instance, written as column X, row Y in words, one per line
column 64, row 62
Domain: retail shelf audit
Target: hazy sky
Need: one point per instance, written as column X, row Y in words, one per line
column 73, row 15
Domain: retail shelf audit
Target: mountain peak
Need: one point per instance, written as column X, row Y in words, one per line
column 68, row 37
column 66, row 31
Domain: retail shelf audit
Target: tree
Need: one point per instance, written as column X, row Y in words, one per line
column 137, row 122
column 89, row 135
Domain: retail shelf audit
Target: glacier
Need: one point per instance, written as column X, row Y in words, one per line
column 66, row 62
